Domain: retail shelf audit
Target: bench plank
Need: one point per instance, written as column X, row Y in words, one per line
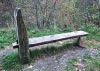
column 53, row 38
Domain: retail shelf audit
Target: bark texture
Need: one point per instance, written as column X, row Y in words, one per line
column 22, row 37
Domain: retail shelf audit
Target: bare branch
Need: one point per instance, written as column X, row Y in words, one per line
column 53, row 8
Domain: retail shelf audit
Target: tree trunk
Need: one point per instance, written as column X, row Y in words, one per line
column 22, row 37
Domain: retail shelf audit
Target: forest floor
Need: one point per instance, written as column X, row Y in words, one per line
column 3, row 53
column 61, row 61
column 71, row 59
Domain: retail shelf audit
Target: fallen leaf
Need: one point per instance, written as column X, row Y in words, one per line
column 78, row 64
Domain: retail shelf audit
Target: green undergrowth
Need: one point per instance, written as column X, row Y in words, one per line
column 92, row 64
column 70, row 64
column 44, row 32
column 11, row 62
column 49, row 50
column 93, row 30
column 93, row 38
column 8, row 36
column 94, row 45
column 89, row 62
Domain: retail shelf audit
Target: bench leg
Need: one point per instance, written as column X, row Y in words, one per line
column 79, row 42
column 17, row 41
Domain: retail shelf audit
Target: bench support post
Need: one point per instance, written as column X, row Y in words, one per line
column 79, row 42
column 22, row 38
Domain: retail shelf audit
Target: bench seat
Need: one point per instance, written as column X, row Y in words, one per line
column 52, row 38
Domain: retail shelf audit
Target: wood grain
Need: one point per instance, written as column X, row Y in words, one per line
column 53, row 38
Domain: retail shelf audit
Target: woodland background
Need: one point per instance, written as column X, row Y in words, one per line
column 51, row 13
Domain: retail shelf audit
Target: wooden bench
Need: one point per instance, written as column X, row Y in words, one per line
column 23, row 42
column 52, row 38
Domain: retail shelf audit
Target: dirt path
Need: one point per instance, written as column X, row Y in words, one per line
column 59, row 61
column 56, row 62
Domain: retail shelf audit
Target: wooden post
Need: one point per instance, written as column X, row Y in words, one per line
column 21, row 37
column 80, row 42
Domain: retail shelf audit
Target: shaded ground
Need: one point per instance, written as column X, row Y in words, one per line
column 59, row 61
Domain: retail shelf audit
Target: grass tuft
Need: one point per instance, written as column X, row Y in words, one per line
column 70, row 64
column 11, row 62
column 92, row 64
column 49, row 50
